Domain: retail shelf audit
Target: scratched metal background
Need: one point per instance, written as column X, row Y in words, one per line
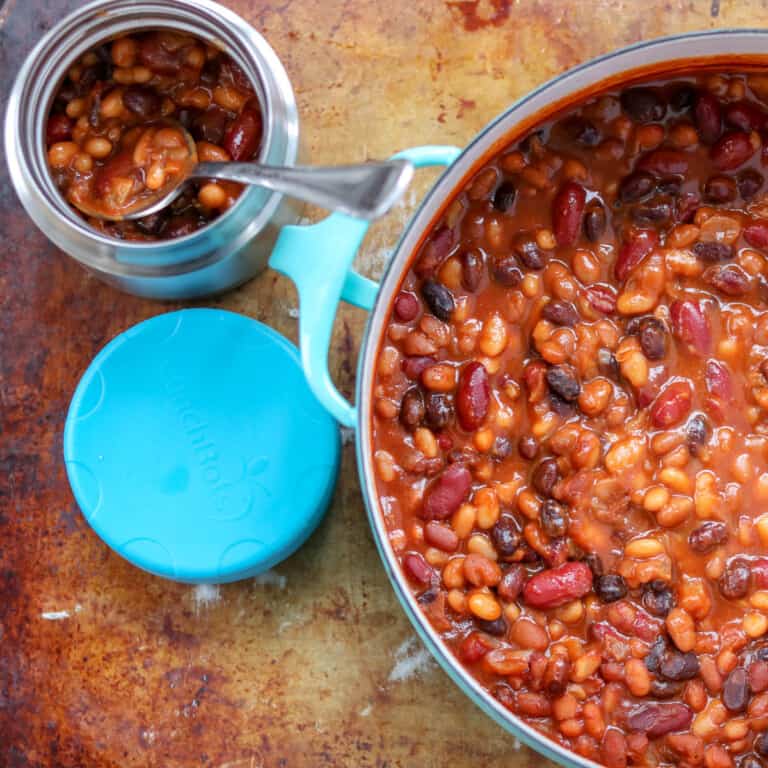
column 102, row 665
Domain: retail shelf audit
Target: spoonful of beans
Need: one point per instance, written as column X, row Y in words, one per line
column 155, row 161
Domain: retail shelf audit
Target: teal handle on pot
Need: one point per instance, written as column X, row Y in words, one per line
column 318, row 258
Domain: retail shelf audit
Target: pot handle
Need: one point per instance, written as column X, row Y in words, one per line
column 318, row 258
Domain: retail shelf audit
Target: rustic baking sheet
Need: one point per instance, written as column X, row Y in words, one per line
column 313, row 663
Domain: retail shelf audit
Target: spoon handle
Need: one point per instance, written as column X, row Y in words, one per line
column 366, row 191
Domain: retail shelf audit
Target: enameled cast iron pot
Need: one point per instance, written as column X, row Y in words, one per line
column 318, row 259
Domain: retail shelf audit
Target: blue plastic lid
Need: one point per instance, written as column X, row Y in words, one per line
column 196, row 450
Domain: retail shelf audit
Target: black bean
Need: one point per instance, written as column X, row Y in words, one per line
column 749, row 183
column 665, row 689
column 707, row 536
column 563, row 383
column 610, row 587
column 654, row 656
column 592, row 559
column 472, row 265
column 183, row 224
column 761, row 744
column 669, row 185
column 439, row 299
column 736, row 690
column 561, row 407
column 653, row 338
column 581, row 130
column 142, row 100
column 713, row 252
column 506, row 271
column 497, row 628
column 636, row 186
column 682, row 97
column 544, row 476
column 560, row 313
column 643, row 105
column 506, row 535
column 657, row 598
column 529, row 253
column 501, row 447
column 607, row 363
column 427, row 597
column 210, row 125
column 554, row 518
column 677, row 666
column 528, row 447
column 504, row 196
column 438, row 410
column 750, row 761
column 152, row 224
column 594, row 222
column 655, row 211
column 412, row 408
column 734, row 583
column 696, row 433
column 720, row 189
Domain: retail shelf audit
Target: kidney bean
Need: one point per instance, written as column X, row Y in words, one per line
column 643, row 105
column 757, row 676
column 686, row 207
column 749, row 183
column 636, row 186
column 734, row 583
column 554, row 518
column 438, row 298
column 563, row 383
column 594, row 222
column 142, row 100
column 730, row 280
column 406, row 306
column 511, row 583
column 664, row 162
column 58, row 128
column 210, row 125
column 534, row 378
column 690, row 325
column 472, row 266
column 707, row 116
column 437, row 249
column 672, row 405
column 506, row 271
column 732, row 150
column 707, row 536
column 745, row 115
column 757, row 234
column 567, row 212
column 677, row 666
column 560, row 313
column 474, row 646
column 544, row 476
column 412, row 408
column 558, row 586
column 610, row 587
column 713, row 251
column 504, row 196
column 242, row 137
column 718, row 380
column 720, row 189
column 657, row 597
column 473, row 396
column 659, row 719
column 417, row 568
column 413, row 366
column 602, row 298
column 440, row 536
column 639, row 245
column 446, row 493
column 665, row 689
column 736, row 690
column 154, row 55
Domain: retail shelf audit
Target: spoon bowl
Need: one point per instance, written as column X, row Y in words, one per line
column 366, row 190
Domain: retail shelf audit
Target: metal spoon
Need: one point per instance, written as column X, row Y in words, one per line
column 367, row 190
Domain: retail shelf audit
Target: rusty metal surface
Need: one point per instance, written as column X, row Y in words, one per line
column 313, row 664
